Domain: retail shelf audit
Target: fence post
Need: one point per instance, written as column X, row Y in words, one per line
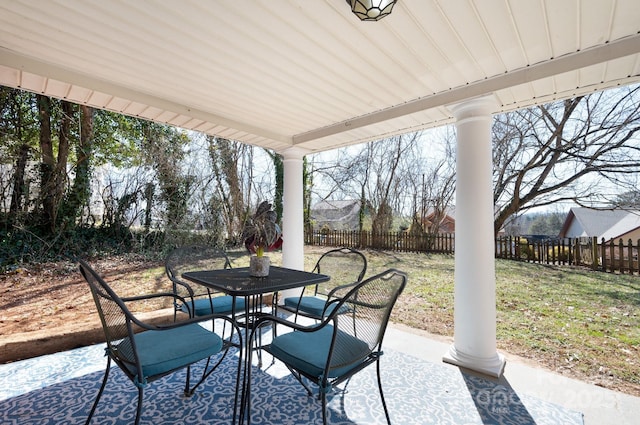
column 594, row 253
column 612, row 254
column 621, row 256
column 630, row 256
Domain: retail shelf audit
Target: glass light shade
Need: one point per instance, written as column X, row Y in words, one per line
column 371, row 10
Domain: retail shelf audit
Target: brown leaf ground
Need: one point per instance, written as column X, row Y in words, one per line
column 54, row 296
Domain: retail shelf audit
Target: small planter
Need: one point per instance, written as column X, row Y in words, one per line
column 259, row 266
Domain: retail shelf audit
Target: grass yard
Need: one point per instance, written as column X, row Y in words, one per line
column 574, row 321
column 579, row 323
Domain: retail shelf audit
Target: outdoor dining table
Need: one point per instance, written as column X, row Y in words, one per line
column 238, row 282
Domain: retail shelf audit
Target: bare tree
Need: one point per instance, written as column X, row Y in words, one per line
column 627, row 200
column 582, row 150
column 434, row 189
column 53, row 166
column 80, row 191
column 19, row 136
column 233, row 176
column 378, row 174
column 392, row 178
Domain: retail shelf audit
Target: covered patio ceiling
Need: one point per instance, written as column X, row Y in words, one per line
column 285, row 73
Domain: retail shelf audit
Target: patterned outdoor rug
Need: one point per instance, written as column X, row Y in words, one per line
column 59, row 389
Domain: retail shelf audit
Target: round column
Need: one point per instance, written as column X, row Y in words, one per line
column 292, row 214
column 474, row 344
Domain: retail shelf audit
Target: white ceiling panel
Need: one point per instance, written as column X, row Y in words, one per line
column 562, row 26
column 286, row 73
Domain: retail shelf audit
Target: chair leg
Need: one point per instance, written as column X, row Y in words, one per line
column 187, row 385
column 323, row 398
column 245, row 399
column 104, row 383
column 206, row 372
column 139, row 408
column 384, row 404
column 235, row 396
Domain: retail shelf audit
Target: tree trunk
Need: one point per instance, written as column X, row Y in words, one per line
column 59, row 177
column 149, row 191
column 47, row 163
column 17, row 195
column 279, row 171
column 81, row 188
column 225, row 156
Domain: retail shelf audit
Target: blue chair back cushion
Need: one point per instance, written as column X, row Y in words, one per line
column 221, row 305
column 308, row 351
column 167, row 350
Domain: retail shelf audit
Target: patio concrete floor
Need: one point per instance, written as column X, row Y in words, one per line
column 600, row 406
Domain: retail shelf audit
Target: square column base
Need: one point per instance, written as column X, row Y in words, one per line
column 493, row 366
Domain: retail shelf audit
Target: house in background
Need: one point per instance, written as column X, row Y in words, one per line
column 447, row 221
column 607, row 224
column 336, row 215
column 344, row 215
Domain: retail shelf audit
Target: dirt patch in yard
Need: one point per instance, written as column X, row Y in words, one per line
column 50, row 304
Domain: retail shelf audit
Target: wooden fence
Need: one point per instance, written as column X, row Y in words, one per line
column 389, row 241
column 611, row 256
column 607, row 256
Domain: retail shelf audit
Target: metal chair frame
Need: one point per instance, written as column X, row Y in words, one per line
column 193, row 258
column 121, row 329
column 331, row 263
column 371, row 302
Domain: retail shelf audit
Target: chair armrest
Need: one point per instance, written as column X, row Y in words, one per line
column 342, row 290
column 193, row 320
column 183, row 284
column 264, row 320
column 190, row 321
column 151, row 296
column 148, row 326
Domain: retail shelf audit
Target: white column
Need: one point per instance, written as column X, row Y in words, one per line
column 293, row 210
column 292, row 215
column 474, row 344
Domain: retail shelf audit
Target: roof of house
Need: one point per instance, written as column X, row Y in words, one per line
column 333, row 205
column 449, row 212
column 626, row 224
column 608, row 224
column 341, row 214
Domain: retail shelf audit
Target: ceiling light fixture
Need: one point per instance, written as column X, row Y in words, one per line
column 371, row 10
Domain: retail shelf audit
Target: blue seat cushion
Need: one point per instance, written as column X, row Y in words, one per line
column 313, row 306
column 308, row 351
column 221, row 305
column 163, row 351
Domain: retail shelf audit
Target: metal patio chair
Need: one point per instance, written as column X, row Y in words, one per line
column 200, row 301
column 345, row 266
column 332, row 351
column 147, row 352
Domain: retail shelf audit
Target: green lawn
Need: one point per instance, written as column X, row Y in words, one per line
column 577, row 322
column 574, row 321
